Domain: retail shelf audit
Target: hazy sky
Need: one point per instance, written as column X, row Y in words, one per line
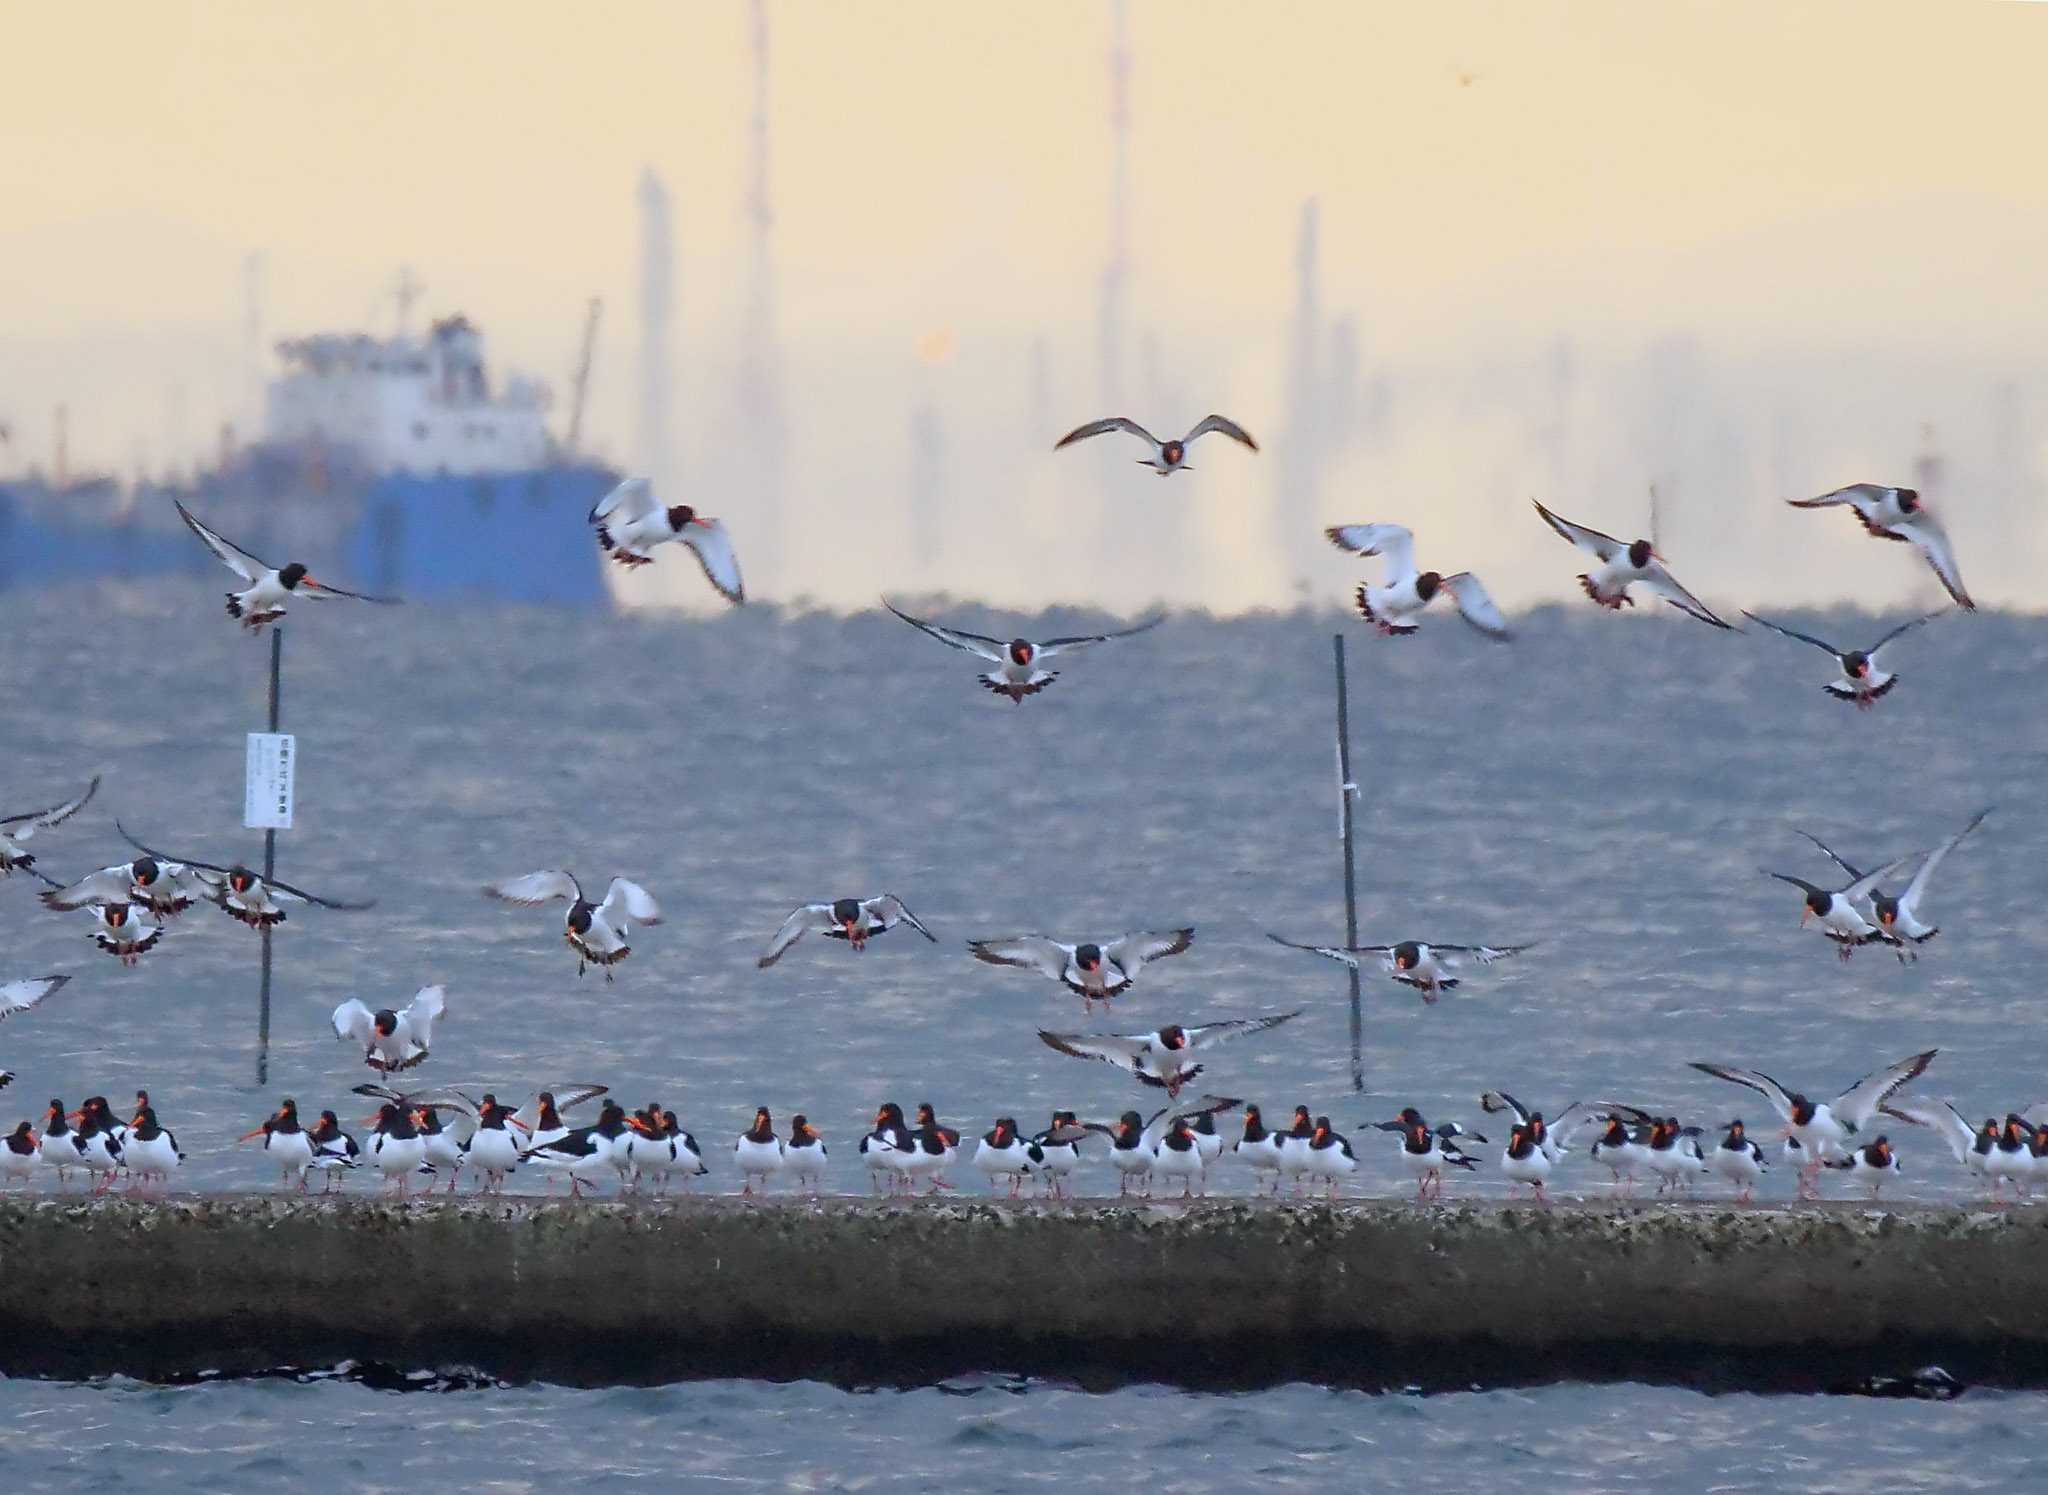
column 1733, row 245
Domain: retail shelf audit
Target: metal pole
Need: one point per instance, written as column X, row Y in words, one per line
column 1346, row 790
column 269, row 871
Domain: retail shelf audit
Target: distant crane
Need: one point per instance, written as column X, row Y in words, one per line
column 580, row 385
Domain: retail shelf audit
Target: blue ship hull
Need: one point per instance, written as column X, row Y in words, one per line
column 504, row 537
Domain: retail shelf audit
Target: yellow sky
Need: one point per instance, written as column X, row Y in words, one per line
column 1771, row 177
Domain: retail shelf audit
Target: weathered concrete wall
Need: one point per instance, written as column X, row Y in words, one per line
column 632, row 1292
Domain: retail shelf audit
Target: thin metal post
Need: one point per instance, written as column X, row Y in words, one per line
column 1346, row 792
column 269, row 870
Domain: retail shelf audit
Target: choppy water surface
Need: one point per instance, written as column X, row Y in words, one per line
column 1607, row 786
column 1000, row 1434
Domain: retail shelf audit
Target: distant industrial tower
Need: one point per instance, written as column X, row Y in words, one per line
column 252, row 344
column 762, row 436
column 1300, row 457
column 657, row 314
column 1113, row 310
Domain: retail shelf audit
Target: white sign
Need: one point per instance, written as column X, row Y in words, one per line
column 267, row 787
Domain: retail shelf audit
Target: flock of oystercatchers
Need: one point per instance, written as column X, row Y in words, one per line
column 132, row 902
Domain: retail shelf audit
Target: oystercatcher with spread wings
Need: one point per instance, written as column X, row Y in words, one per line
column 1093, row 971
column 1622, row 566
column 1017, row 671
column 1167, row 456
column 855, row 920
column 1416, row 963
column 1898, row 514
column 270, row 587
column 1863, row 680
column 393, row 1038
column 596, row 931
column 240, row 893
column 1826, row 1129
column 1900, row 917
column 1161, row 1058
column 630, row 523
column 15, row 829
column 1392, row 608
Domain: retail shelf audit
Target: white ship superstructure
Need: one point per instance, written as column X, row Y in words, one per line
column 406, row 404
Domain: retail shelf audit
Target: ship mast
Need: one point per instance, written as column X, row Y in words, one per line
column 760, row 382
column 580, row 385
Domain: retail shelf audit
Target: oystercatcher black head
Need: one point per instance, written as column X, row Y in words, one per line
column 144, row 871
column 1802, row 1111
column 1020, row 651
column 1128, row 1126
column 763, row 1129
column 1521, row 1142
column 1407, row 955
column 1856, row 663
column 1204, row 1123
column 117, row 914
column 21, row 1141
column 1818, row 902
column 1428, row 584
column 1639, row 554
column 291, row 576
column 241, row 879
column 1173, row 1036
column 386, row 1022
column 1909, row 500
column 1172, row 451
column 846, row 911
column 680, row 515
column 1088, row 957
column 580, row 913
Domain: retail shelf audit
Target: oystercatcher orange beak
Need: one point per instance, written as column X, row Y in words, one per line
column 247, row 1135
column 520, row 1124
column 1805, row 913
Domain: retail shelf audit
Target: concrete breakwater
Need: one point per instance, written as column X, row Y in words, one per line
column 1373, row 1293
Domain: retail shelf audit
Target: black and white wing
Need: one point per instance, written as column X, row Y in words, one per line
column 1476, row 605
column 1161, row 1121
column 26, row 824
column 1906, row 627
column 1917, row 888
column 1499, row 1100
column 108, row 885
column 427, row 1004
column 1659, row 579
column 809, row 918
column 1938, row 1116
column 1394, row 541
column 1798, row 882
column 1931, row 540
column 973, row 643
column 1208, row 1035
column 711, row 543
column 1130, row 952
column 1033, row 951
column 1830, row 854
column 1804, row 638
column 1223, row 426
column 1779, row 1097
column 1600, row 546
column 1122, row 1050
column 628, row 897
column 1485, row 955
column 284, row 892
column 353, row 1020
column 1860, row 1102
column 320, row 591
column 20, row 996
column 889, row 911
column 231, row 555
column 1343, row 955
column 1054, row 646
column 1857, row 495
column 535, row 887
column 628, row 503
column 1864, row 886
column 1099, row 427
